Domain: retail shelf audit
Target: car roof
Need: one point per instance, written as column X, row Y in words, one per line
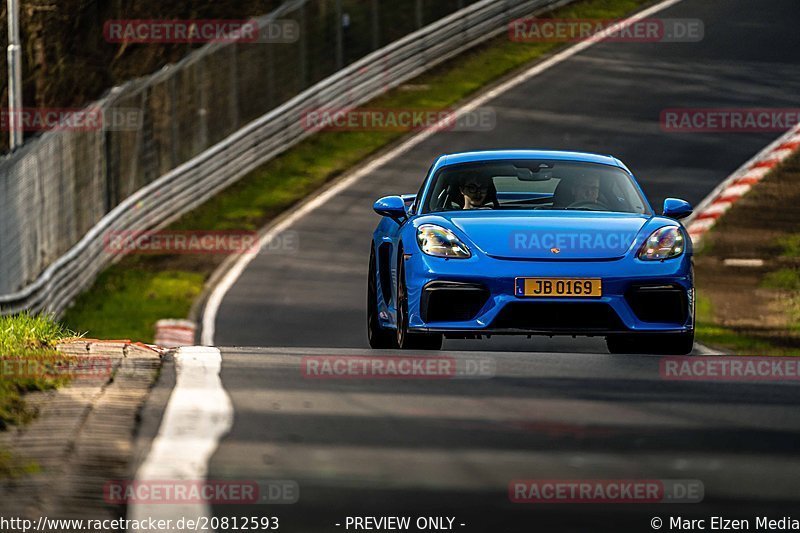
column 558, row 155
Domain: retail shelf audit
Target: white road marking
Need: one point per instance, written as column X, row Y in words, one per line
column 199, row 413
column 702, row 349
column 218, row 294
column 746, row 263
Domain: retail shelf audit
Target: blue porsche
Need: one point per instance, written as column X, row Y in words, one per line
column 531, row 242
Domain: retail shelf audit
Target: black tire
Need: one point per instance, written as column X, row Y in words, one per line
column 379, row 337
column 406, row 340
column 666, row 344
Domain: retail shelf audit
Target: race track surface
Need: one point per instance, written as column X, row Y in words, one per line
column 373, row 447
column 607, row 99
column 557, row 408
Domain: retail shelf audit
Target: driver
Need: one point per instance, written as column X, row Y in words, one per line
column 475, row 189
column 587, row 190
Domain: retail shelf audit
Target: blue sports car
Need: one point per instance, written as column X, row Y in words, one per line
column 531, row 243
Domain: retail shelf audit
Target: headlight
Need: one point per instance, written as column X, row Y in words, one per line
column 440, row 242
column 663, row 243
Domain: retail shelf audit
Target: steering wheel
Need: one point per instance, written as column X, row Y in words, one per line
column 588, row 204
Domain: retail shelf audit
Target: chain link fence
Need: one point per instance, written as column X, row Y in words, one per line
column 61, row 184
column 58, row 188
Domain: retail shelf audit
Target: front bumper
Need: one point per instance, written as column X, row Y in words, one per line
column 475, row 296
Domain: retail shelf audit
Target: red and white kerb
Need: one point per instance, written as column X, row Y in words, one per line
column 737, row 184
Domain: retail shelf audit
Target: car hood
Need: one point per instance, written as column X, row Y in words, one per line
column 552, row 235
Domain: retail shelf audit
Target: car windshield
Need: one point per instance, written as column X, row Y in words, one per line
column 546, row 185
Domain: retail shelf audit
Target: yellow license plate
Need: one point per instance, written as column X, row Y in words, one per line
column 555, row 287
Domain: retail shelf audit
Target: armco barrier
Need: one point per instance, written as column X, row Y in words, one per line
column 162, row 200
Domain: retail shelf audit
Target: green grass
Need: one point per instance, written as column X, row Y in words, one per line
column 23, row 332
column 711, row 334
column 127, row 299
column 790, row 245
column 26, row 355
column 786, row 279
column 742, row 342
column 27, row 363
column 125, row 302
column 708, row 332
column 13, row 467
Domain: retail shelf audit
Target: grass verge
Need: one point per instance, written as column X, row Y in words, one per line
column 711, row 333
column 28, row 362
column 131, row 296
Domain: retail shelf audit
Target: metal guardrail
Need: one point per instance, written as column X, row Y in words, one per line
column 185, row 187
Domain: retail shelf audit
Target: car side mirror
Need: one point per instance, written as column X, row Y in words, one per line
column 391, row 206
column 677, row 209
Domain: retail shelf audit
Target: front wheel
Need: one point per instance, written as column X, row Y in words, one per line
column 379, row 337
column 661, row 344
column 406, row 340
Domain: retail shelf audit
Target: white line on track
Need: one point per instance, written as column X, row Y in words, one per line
column 199, row 413
column 218, row 294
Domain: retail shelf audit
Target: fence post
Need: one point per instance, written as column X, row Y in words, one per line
column 234, row 91
column 303, row 47
column 194, row 93
column 339, row 36
column 111, row 189
column 271, row 87
column 376, row 30
column 202, row 112
column 174, row 127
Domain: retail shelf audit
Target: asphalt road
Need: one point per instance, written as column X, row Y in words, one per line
column 450, row 447
column 607, row 99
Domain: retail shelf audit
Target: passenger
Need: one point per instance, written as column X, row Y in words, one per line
column 586, row 190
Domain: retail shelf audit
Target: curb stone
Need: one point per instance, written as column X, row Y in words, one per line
column 83, row 435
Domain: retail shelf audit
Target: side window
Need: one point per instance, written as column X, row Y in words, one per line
column 620, row 197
